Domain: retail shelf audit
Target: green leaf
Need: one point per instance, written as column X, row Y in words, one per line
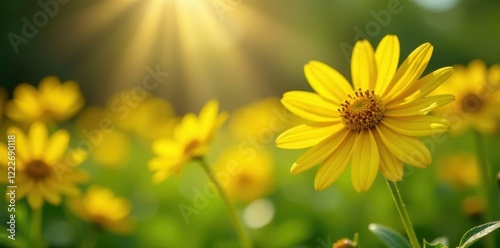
column 475, row 233
column 434, row 244
column 390, row 237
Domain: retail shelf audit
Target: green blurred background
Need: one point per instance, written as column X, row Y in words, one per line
column 240, row 51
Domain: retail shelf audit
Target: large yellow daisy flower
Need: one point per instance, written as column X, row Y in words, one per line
column 52, row 101
column 44, row 171
column 372, row 126
column 191, row 139
column 478, row 98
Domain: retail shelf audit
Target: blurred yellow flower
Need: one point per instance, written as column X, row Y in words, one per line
column 257, row 118
column 473, row 206
column 44, row 171
column 110, row 146
column 478, row 98
column 100, row 207
column 190, row 139
column 53, row 101
column 149, row 117
column 373, row 125
column 245, row 178
column 460, row 171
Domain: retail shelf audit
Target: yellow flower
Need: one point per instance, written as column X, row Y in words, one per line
column 44, row 171
column 245, row 178
column 53, row 101
column 460, row 171
column 373, row 125
column 110, row 146
column 478, row 97
column 149, row 117
column 191, row 139
column 100, row 207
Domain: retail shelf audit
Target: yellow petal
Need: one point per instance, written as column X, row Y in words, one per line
column 335, row 164
column 35, row 200
column 327, row 82
column 494, row 75
column 208, row 117
column 310, row 106
column 56, row 146
column 409, row 150
column 422, row 125
column 167, row 148
column 390, row 166
column 22, row 144
column 363, row 66
column 38, row 139
column 307, row 135
column 318, row 152
column 425, row 85
column 387, row 57
column 409, row 71
column 50, row 195
column 3, row 150
column 365, row 161
column 420, row 106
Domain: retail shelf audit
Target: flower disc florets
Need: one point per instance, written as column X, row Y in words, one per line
column 362, row 111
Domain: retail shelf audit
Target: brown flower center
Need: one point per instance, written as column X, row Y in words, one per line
column 191, row 146
column 362, row 111
column 38, row 170
column 471, row 103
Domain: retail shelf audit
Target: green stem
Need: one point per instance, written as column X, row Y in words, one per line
column 36, row 228
column 90, row 240
column 240, row 230
column 405, row 218
column 485, row 184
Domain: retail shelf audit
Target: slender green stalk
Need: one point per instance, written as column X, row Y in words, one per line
column 245, row 241
column 485, row 185
column 405, row 218
column 90, row 240
column 36, row 228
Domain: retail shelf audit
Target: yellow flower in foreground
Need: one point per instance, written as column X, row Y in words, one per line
column 460, row 171
column 478, row 98
column 52, row 101
column 245, row 178
column 44, row 171
column 373, row 125
column 191, row 139
column 101, row 208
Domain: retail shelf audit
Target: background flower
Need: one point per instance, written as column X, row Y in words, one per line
column 101, row 208
column 52, row 101
column 245, row 178
column 192, row 137
column 478, row 97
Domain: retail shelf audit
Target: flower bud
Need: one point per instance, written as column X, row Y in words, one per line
column 343, row 243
